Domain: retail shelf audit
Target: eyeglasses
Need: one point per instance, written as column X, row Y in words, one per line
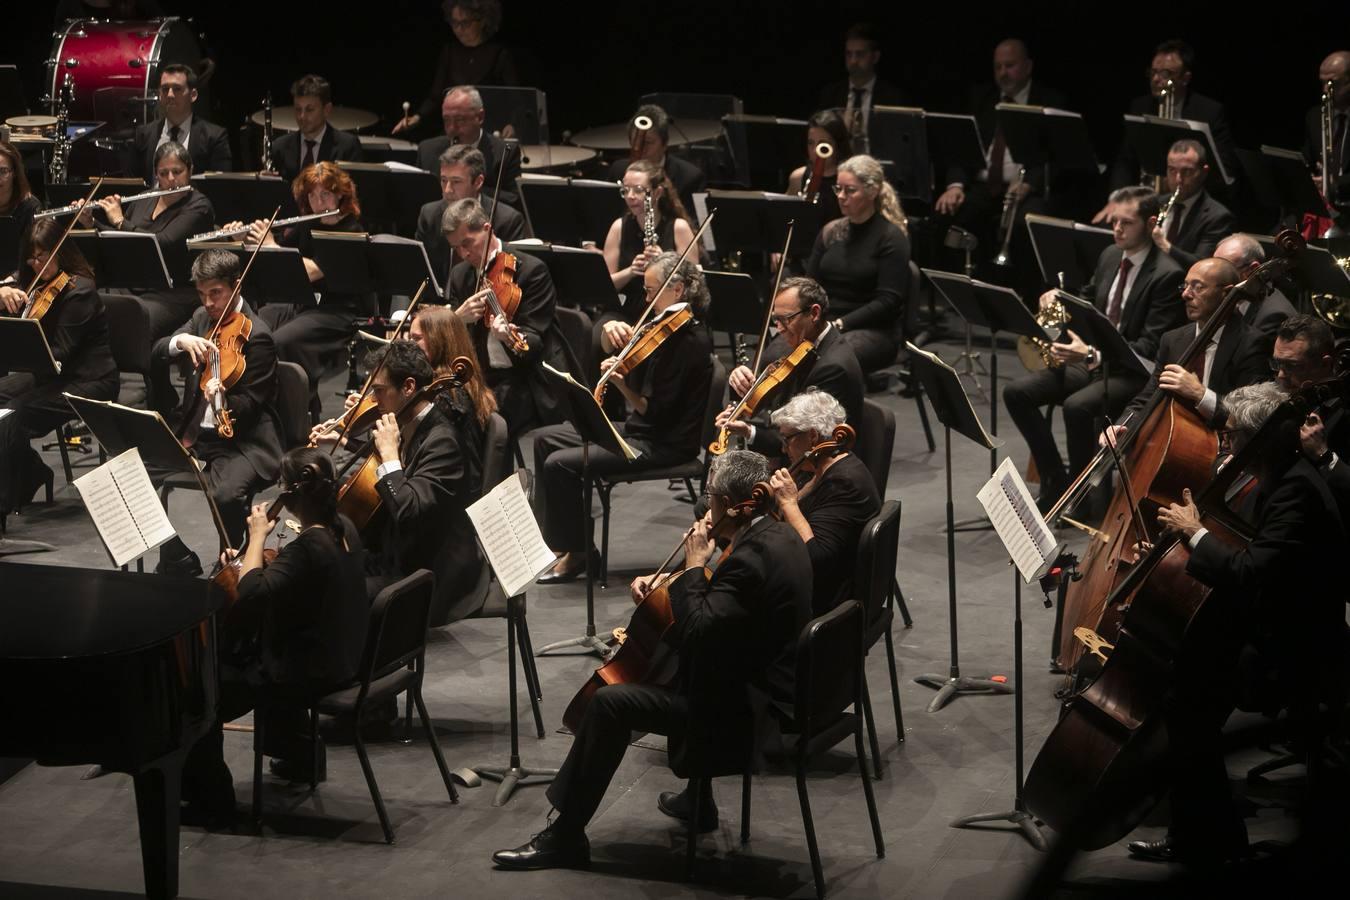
column 785, row 436
column 1194, row 287
column 5, row 170
column 846, row 190
column 1227, row 438
column 630, row 191
column 780, row 321
column 1292, row 366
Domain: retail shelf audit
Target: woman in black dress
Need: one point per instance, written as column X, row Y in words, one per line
column 862, row 261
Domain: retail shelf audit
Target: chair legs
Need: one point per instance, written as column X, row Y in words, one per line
column 923, row 417
column 867, row 792
column 527, row 656
column 258, row 718
column 691, row 832
column 435, row 744
column 895, row 688
column 809, row 824
column 871, row 726
column 745, row 805
column 65, row 452
column 603, row 490
column 362, row 755
column 900, row 602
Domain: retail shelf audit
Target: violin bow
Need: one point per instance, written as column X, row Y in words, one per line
column 37, row 278
column 768, row 312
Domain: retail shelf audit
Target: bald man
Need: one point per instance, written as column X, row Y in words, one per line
column 1233, row 357
column 1265, row 316
column 1336, row 69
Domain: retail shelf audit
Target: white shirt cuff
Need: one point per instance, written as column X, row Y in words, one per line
column 174, row 349
column 1194, row 540
column 1208, row 404
column 751, row 439
column 388, row 468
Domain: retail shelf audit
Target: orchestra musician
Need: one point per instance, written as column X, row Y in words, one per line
column 443, row 337
column 523, row 396
column 1268, row 597
column 1233, row 357
column 315, row 140
column 238, row 466
column 208, row 144
column 462, row 114
column 1137, row 287
column 801, row 312
column 1336, row 69
column 1303, row 355
column 16, row 196
column 651, row 144
column 668, row 395
column 626, row 242
column 1196, row 222
column 76, row 328
column 172, row 220
column 296, row 631
column 735, row 634
column 856, row 95
column 825, row 126
column 304, row 335
column 1265, row 314
column 463, row 177
column 862, row 262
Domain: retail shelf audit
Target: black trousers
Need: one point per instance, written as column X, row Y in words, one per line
column 38, row 409
column 557, row 466
column 1084, row 397
column 614, row 713
column 232, row 481
column 304, row 335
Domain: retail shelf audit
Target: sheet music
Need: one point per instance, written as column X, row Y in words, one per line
column 510, row 536
column 1020, row 525
column 125, row 508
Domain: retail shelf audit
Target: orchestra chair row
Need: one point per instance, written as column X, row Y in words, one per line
column 830, row 694
column 393, row 663
column 873, row 579
column 874, row 446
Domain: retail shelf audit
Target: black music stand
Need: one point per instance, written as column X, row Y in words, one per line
column 276, row 276
column 764, row 149
column 1067, row 247
column 364, row 263
column 242, row 196
column 1286, row 176
column 128, row 260
column 943, row 386
column 579, row 275
column 569, row 211
column 594, row 427
column 1319, row 273
column 904, row 139
column 72, row 192
column 735, row 306
column 757, row 221
column 392, row 193
column 24, row 348
column 1151, row 137
column 1043, row 135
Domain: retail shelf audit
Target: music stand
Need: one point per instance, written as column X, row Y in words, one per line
column 757, row 221
column 569, row 211
column 24, row 348
column 392, row 193
column 1293, row 190
column 594, row 427
column 764, row 149
column 129, row 260
column 241, row 196
column 579, row 275
column 1063, row 245
column 277, row 275
column 59, row 195
column 1043, row 135
column 362, row 263
column 1151, row 137
column 943, row 386
column 1319, row 272
column 904, row 139
column 735, row 306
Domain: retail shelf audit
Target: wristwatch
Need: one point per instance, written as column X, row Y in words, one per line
column 1093, row 357
column 839, row 324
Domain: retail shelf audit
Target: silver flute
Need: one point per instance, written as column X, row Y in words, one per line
column 76, row 207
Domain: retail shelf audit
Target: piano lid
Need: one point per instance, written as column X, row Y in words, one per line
column 58, row 612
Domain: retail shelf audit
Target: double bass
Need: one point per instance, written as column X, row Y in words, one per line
column 1168, row 447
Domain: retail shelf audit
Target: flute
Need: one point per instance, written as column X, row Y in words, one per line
column 76, row 207
column 243, row 229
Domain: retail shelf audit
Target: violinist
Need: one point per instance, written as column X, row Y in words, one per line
column 829, row 502
column 801, row 312
column 76, row 328
column 735, row 633
column 172, row 220
column 462, row 178
column 523, row 397
column 643, row 185
column 1303, row 355
column 297, row 631
column 651, row 144
column 825, row 126
column 16, row 196
column 238, row 466
column 306, row 334
column 1232, row 358
column 668, row 395
column 1270, row 597
column 443, row 337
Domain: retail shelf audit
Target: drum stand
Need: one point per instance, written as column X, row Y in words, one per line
column 968, row 361
column 588, row 641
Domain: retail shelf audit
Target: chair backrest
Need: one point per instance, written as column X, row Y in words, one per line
column 878, row 549
column 716, row 400
column 293, row 403
column 909, row 322
column 829, row 667
column 397, row 632
column 575, row 327
column 128, row 332
column 496, row 452
column 876, row 441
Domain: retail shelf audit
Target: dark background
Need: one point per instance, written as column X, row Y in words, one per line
column 594, row 60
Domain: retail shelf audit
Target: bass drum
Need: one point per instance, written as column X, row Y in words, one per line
column 115, row 66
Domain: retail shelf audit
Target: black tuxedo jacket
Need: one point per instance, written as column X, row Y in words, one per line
column 1239, row 360
column 1153, row 304
column 507, row 224
column 191, row 215
column 687, row 178
column 336, row 146
column 835, row 95
column 1337, row 423
column 76, row 327
column 208, row 145
column 981, row 103
column 252, row 401
column 423, row 525
column 736, row 634
column 1201, row 230
column 493, row 149
column 1312, row 152
column 834, row 370
column 837, row 508
column 1266, row 317
column 1196, row 107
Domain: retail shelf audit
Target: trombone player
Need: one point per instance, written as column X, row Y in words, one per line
column 1325, row 132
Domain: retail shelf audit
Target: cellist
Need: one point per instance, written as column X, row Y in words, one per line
column 241, row 459
column 668, row 395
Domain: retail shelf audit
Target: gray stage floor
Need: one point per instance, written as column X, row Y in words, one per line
column 63, row 837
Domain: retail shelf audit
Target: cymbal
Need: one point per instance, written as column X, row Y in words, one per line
column 538, row 157
column 343, row 118
column 682, row 131
column 31, row 124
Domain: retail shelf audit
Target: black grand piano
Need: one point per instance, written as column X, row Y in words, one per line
column 112, row 668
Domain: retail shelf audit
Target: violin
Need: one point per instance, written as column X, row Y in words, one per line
column 641, row 345
column 42, row 300
column 227, row 576
column 774, row 374
column 504, row 299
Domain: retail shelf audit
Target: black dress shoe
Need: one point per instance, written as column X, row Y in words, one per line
column 1168, row 849
column 676, row 804
column 290, row 769
column 549, row 849
column 556, row 576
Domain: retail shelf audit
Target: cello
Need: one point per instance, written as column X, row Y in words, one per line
column 1167, row 447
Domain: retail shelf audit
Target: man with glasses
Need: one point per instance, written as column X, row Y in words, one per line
column 208, row 144
column 801, row 312
column 1196, row 222
column 463, row 176
column 462, row 114
column 1304, row 354
column 1233, row 356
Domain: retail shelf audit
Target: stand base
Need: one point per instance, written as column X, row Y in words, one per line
column 588, row 642
column 10, row 547
column 1025, row 822
column 948, row 687
column 513, row 777
column 980, row 523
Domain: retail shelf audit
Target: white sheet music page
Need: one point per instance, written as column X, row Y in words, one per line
column 1029, row 541
column 125, row 508
column 510, row 536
